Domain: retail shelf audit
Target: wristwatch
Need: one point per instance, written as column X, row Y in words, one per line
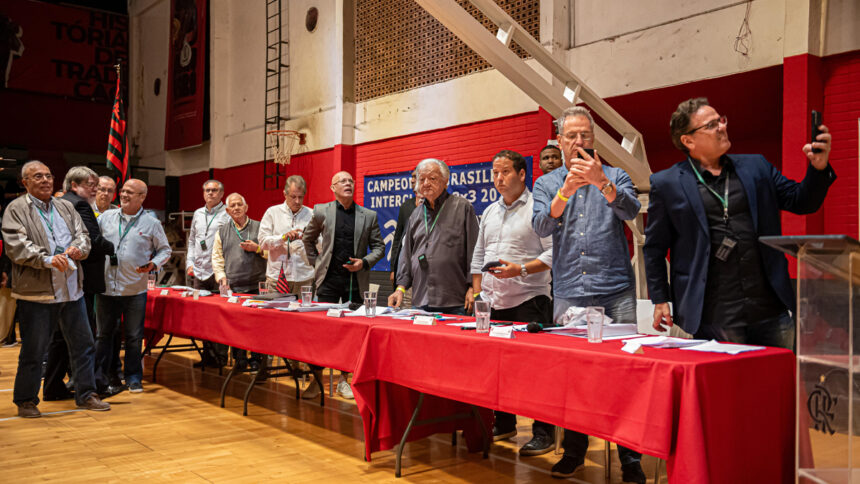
column 524, row 272
column 605, row 189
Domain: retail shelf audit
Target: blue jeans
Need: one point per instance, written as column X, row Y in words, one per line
column 38, row 321
column 621, row 307
column 132, row 309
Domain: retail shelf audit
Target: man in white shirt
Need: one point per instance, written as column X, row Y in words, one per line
column 207, row 221
column 280, row 234
column 518, row 287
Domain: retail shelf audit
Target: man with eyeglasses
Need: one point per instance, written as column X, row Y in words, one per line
column 43, row 237
column 141, row 248
column 709, row 211
column 351, row 244
column 583, row 206
column 105, row 193
column 205, row 223
column 80, row 187
column 435, row 260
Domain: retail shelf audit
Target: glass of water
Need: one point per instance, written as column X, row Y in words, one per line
column 224, row 288
column 263, row 287
column 370, row 304
column 482, row 316
column 307, row 295
column 151, row 280
column 594, row 319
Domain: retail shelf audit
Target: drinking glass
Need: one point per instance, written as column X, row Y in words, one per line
column 594, row 319
column 482, row 316
column 307, row 295
column 370, row 304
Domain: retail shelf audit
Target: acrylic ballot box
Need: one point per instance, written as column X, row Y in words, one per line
column 828, row 345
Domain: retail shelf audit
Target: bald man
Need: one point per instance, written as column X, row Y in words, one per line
column 141, row 247
column 351, row 245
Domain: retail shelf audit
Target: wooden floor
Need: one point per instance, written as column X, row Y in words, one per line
column 175, row 431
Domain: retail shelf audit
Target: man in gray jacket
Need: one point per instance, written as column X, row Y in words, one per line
column 44, row 236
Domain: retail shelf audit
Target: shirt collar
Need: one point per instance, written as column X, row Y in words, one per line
column 725, row 162
column 127, row 217
column 521, row 200
column 439, row 200
column 247, row 221
column 214, row 209
column 40, row 204
column 351, row 208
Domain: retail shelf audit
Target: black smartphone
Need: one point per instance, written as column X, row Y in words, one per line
column 490, row 265
column 590, row 152
column 422, row 262
column 816, row 122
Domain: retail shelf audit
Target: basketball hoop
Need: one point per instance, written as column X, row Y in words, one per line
column 282, row 142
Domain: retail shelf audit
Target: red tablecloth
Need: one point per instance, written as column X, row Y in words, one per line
column 309, row 337
column 715, row 418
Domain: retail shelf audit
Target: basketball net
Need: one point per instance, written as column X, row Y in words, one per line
column 282, row 142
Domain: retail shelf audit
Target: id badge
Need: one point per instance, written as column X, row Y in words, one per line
column 114, row 261
column 203, row 244
column 725, row 249
column 422, row 262
column 59, row 250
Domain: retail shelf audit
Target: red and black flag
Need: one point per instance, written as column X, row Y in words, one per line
column 117, row 150
column 283, row 286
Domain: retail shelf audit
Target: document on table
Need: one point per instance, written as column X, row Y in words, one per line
column 380, row 311
column 715, row 346
column 666, row 342
column 610, row 331
column 314, row 307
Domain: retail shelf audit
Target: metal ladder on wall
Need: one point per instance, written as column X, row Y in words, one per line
column 277, row 70
column 628, row 153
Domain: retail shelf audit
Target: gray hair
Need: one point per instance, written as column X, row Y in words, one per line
column 78, row 175
column 427, row 162
column 220, row 185
column 571, row 112
column 679, row 123
column 298, row 181
column 30, row 165
column 105, row 177
column 236, row 194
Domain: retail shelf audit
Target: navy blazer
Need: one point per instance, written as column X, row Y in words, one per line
column 677, row 223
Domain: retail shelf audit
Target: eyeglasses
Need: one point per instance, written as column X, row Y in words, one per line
column 105, row 190
column 129, row 192
column 711, row 125
column 345, row 181
column 573, row 135
column 211, row 190
column 41, row 176
column 89, row 184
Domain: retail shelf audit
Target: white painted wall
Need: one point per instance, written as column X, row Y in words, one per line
column 619, row 47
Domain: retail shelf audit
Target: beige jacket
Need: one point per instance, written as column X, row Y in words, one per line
column 27, row 246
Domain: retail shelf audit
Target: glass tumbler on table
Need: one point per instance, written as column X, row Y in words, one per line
column 151, row 280
column 263, row 287
column 482, row 316
column 370, row 304
column 594, row 319
column 307, row 295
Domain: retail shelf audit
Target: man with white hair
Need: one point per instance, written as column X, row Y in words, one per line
column 281, row 235
column 105, row 193
column 43, row 236
column 437, row 247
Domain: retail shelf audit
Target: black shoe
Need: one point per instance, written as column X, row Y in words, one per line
column 501, row 434
column 67, row 395
column 539, row 444
column 567, row 466
column 254, row 365
column 112, row 390
column 240, row 365
column 632, row 472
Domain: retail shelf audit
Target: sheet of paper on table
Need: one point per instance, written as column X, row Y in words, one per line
column 610, row 331
column 715, row 346
column 666, row 342
column 473, row 325
column 380, row 311
column 314, row 307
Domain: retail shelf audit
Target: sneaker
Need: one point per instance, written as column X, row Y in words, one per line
column 344, row 390
column 312, row 391
column 632, row 472
column 29, row 410
column 94, row 403
column 567, row 466
column 501, row 434
column 539, row 444
column 135, row 387
column 11, row 344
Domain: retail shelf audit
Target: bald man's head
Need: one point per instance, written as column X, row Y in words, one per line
column 343, row 187
column 132, row 195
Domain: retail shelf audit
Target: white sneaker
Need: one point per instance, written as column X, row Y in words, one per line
column 312, row 391
column 344, row 390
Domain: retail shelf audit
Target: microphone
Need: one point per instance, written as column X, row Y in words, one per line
column 534, row 327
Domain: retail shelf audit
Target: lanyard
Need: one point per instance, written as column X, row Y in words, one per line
column 724, row 200
column 49, row 223
column 238, row 234
column 127, row 229
column 430, row 228
column 209, row 222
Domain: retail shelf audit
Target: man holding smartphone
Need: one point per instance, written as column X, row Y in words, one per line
column 141, row 247
column 709, row 210
column 583, row 205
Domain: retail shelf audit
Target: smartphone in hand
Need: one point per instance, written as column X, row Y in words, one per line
column 816, row 122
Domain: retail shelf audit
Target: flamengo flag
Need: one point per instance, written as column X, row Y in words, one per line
column 117, row 150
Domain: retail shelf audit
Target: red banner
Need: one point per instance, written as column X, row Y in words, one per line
column 60, row 50
column 186, row 80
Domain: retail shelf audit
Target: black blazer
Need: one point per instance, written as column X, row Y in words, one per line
column 677, row 223
column 94, row 265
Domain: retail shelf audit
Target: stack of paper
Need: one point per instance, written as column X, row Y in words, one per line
column 714, row 346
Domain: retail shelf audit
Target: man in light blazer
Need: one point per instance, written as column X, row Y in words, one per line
column 351, row 245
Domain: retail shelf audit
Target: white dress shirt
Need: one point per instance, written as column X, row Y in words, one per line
column 277, row 221
column 506, row 233
column 204, row 225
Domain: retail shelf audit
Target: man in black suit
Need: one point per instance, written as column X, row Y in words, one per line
column 80, row 190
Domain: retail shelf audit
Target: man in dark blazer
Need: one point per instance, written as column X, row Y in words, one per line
column 80, row 190
column 348, row 232
column 707, row 212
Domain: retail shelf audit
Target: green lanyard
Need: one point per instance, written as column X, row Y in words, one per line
column 127, row 229
column 430, row 228
column 724, row 200
column 238, row 234
column 49, row 223
column 209, row 222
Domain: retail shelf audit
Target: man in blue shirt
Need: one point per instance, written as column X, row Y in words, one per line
column 141, row 247
column 583, row 206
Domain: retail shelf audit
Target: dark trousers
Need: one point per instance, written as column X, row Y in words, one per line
column 334, row 299
column 213, row 353
column 38, row 322
column 537, row 309
column 240, row 355
column 132, row 310
column 776, row 331
column 57, row 366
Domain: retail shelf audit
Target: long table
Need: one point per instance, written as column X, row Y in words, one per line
column 715, row 418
